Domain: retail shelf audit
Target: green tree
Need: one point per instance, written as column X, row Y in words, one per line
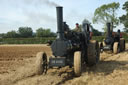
column 106, row 13
column 124, row 18
column 96, row 32
column 12, row 34
column 25, row 32
column 3, row 35
column 41, row 32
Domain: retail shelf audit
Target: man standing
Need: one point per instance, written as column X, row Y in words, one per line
column 77, row 28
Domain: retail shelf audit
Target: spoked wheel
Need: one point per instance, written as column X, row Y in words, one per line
column 116, row 48
column 41, row 63
column 77, row 63
column 93, row 53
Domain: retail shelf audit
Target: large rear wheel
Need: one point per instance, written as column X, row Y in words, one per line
column 122, row 44
column 77, row 63
column 93, row 53
column 41, row 63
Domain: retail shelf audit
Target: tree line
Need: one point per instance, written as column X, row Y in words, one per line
column 27, row 32
column 108, row 13
column 103, row 14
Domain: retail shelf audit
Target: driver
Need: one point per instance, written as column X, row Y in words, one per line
column 77, row 28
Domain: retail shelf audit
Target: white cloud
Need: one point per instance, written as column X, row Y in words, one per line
column 42, row 13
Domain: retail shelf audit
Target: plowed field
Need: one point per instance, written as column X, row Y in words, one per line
column 17, row 67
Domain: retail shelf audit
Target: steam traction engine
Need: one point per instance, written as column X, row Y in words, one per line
column 73, row 49
column 113, row 41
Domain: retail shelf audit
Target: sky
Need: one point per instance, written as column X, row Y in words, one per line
column 42, row 13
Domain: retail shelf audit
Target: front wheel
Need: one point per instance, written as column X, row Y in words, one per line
column 101, row 46
column 41, row 63
column 116, row 48
column 77, row 63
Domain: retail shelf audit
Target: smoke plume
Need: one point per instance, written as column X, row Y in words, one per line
column 50, row 3
column 33, row 13
column 41, row 2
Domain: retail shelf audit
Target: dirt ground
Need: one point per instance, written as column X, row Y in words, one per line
column 17, row 67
